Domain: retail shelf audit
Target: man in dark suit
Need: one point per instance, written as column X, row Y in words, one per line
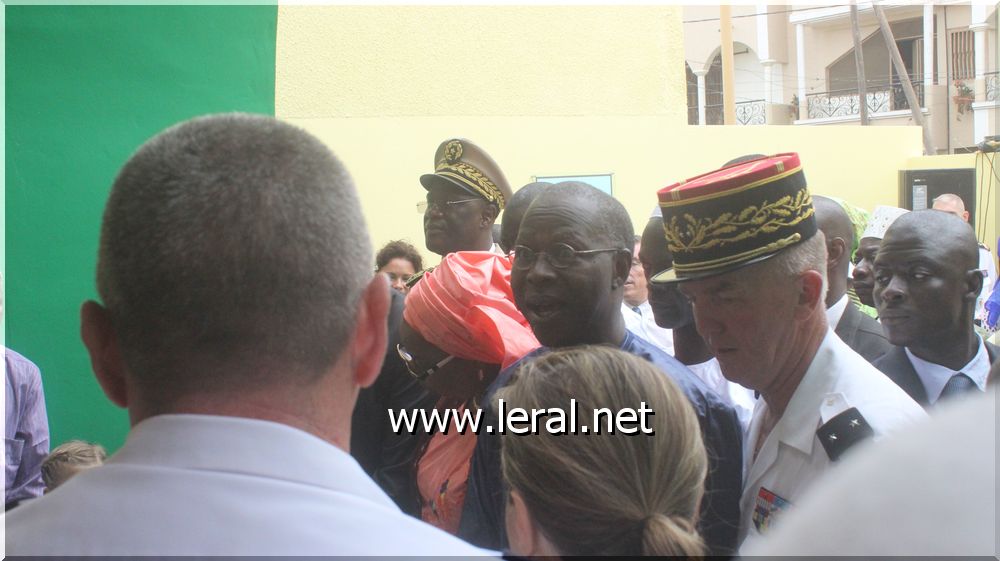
column 927, row 279
column 862, row 333
column 387, row 457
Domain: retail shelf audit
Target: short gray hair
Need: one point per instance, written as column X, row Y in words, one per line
column 809, row 255
column 232, row 248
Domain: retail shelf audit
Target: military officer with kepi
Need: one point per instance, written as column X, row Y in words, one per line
column 465, row 194
column 750, row 258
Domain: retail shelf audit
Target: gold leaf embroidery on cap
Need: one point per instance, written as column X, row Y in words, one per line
column 473, row 178
column 688, row 233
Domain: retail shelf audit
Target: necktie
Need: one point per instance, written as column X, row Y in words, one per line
column 636, row 310
column 959, row 383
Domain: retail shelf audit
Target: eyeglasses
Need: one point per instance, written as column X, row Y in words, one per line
column 411, row 363
column 424, row 206
column 560, row 255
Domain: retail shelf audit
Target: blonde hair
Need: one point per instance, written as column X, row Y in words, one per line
column 608, row 494
column 63, row 462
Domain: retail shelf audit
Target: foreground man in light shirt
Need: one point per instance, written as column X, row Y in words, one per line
column 748, row 255
column 239, row 320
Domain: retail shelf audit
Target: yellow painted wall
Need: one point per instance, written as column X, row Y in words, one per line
column 605, row 95
column 645, row 154
column 343, row 61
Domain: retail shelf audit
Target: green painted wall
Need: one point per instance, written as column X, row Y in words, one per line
column 85, row 85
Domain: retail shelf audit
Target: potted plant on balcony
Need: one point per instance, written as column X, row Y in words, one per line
column 965, row 96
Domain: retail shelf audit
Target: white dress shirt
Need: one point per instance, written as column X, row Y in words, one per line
column 934, row 376
column 836, row 312
column 641, row 323
column 930, row 490
column 792, row 458
column 207, row 485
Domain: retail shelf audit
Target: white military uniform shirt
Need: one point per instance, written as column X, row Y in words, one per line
column 930, row 490
column 207, row 485
column 644, row 325
column 792, row 458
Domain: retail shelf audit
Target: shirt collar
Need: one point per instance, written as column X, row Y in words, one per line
column 835, row 312
column 935, row 376
column 797, row 426
column 248, row 446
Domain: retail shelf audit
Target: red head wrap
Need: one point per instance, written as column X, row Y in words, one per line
column 465, row 307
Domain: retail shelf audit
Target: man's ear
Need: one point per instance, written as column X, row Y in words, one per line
column 623, row 266
column 490, row 213
column 810, row 294
column 370, row 332
column 974, row 285
column 102, row 344
column 836, row 252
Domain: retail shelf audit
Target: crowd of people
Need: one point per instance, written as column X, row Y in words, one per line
column 787, row 344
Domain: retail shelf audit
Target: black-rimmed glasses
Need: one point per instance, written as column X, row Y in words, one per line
column 559, row 255
column 411, row 363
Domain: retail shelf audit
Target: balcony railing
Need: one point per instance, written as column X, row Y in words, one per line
column 846, row 103
column 752, row 112
column 992, row 79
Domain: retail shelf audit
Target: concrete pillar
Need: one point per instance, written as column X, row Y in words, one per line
column 980, row 122
column 800, row 58
column 928, row 50
column 701, row 95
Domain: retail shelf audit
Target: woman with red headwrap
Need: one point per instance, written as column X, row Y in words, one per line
column 460, row 328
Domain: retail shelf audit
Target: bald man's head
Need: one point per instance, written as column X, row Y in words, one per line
column 927, row 280
column 832, row 220
column 953, row 204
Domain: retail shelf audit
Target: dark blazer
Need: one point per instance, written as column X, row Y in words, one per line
column 862, row 333
column 388, row 457
column 897, row 366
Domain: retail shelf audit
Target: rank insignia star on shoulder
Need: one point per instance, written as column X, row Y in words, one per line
column 842, row 432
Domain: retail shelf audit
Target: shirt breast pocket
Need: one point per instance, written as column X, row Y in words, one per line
column 12, row 448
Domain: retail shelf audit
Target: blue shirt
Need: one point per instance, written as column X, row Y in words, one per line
column 26, row 429
column 483, row 513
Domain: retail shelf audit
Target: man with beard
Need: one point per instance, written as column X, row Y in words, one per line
column 927, row 279
column 571, row 261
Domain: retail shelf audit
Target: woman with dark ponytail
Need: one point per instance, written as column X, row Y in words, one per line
column 596, row 492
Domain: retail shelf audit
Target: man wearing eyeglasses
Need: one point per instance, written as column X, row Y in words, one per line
column 571, row 262
column 465, row 194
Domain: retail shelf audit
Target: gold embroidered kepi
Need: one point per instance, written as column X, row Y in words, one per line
column 462, row 163
column 735, row 216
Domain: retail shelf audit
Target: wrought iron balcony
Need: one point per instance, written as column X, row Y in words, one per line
column 752, row 112
column 845, row 103
column 992, row 79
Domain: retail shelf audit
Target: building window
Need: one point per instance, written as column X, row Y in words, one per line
column 963, row 55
